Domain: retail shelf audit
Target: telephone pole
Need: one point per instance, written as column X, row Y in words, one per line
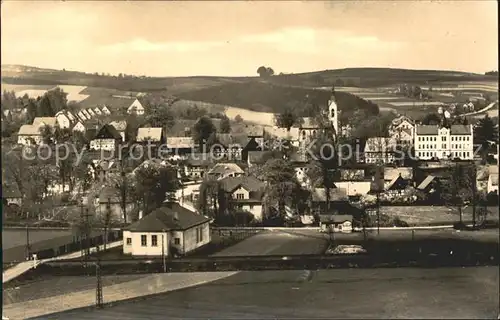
column 474, row 195
column 28, row 246
column 98, row 294
column 84, row 235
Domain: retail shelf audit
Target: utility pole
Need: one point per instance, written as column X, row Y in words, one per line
column 98, row 294
column 123, row 188
column 163, row 251
column 84, row 235
column 474, row 195
column 28, row 246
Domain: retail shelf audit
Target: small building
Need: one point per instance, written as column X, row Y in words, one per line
column 167, row 231
column 78, row 126
column 97, row 111
column 397, row 179
column 91, row 112
column 335, row 223
column 229, row 146
column 63, row 120
column 120, row 126
column 380, row 150
column 11, row 195
column 197, row 165
column 181, row 145
column 354, row 189
column 105, row 110
column 87, row 115
column 29, row 135
column 224, row 170
column 107, row 138
column 308, row 129
column 402, row 128
column 82, row 116
column 45, row 121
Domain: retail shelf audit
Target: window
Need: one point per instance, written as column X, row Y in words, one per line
column 177, row 241
column 240, row 196
column 144, row 240
column 251, row 207
column 129, row 241
column 443, row 146
column 201, row 233
column 154, row 240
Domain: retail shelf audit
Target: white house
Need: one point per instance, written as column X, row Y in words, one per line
column 29, row 134
column 79, row 127
column 82, row 116
column 335, row 223
column 246, row 193
column 493, row 179
column 135, row 108
column 308, row 130
column 402, row 128
column 97, row 111
column 70, row 115
column 63, row 120
column 91, row 112
column 168, row 230
column 441, row 142
column 149, row 134
column 105, row 110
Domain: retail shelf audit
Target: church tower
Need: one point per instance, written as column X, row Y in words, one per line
column 333, row 112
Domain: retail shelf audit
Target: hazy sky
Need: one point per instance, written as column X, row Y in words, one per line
column 235, row 38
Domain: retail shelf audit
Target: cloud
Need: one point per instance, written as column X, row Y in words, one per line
column 142, row 45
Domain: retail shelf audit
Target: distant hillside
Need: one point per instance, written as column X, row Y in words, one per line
column 266, row 97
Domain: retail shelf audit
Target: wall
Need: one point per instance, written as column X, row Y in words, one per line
column 190, row 238
column 137, row 249
column 241, row 191
column 63, row 121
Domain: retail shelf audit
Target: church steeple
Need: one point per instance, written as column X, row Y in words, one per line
column 333, row 111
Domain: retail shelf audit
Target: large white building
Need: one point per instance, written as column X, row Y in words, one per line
column 440, row 142
column 402, row 129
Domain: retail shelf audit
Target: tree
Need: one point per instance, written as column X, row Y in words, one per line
column 431, row 119
column 238, row 118
column 209, row 195
column 152, row 182
column 225, row 125
column 262, row 71
column 270, row 71
column 203, row 129
column 286, row 119
column 457, row 190
column 281, row 184
column 484, row 132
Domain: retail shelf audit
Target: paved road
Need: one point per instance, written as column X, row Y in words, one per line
column 344, row 293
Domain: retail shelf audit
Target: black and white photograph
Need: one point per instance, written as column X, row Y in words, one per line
column 250, row 159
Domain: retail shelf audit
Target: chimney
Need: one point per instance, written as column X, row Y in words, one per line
column 176, row 216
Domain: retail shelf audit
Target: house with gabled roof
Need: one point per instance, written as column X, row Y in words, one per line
column 230, row 146
column 224, row 170
column 45, row 121
column 167, row 231
column 380, row 150
column 397, row 178
column 120, row 126
column 335, row 223
column 29, row 134
column 105, row 110
column 63, row 120
column 91, row 112
column 196, row 165
column 245, row 193
column 181, row 145
column 493, row 179
column 82, row 116
column 78, row 126
column 87, row 115
column 135, row 108
column 97, row 111
column 107, row 138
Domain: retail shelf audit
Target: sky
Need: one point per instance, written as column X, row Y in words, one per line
column 234, row 38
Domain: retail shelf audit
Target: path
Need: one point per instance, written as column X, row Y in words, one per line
column 488, row 107
column 23, row 267
column 158, row 283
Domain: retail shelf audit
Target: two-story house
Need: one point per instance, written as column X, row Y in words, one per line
column 402, row 128
column 245, row 193
column 151, row 135
column 229, row 146
column 380, row 150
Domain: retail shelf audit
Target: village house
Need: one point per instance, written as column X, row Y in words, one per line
column 482, row 177
column 380, row 150
column 78, row 126
column 91, row 112
column 224, row 170
column 97, row 111
column 245, row 193
column 181, row 146
column 443, row 142
column 301, row 166
column 335, row 223
column 105, row 110
column 11, row 195
column 337, row 202
column 45, row 121
column 135, row 108
column 29, row 135
column 397, row 179
column 63, row 120
column 493, row 179
column 402, row 128
column 229, row 146
column 167, row 231
column 354, row 189
column 291, row 135
column 107, row 138
column 308, row 130
column 120, row 126
column 82, row 116
column 196, row 165
column 87, row 115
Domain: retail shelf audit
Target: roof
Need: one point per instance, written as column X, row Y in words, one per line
column 180, row 127
column 482, row 173
column 11, row 191
column 457, row 129
column 29, row 130
column 391, row 173
column 293, row 133
column 335, row 218
column 120, row 125
column 180, row 142
column 354, row 188
column 336, row 194
column 168, row 218
column 50, row 121
column 227, row 139
column 107, row 131
column 249, row 183
column 352, row 174
column 198, row 160
column 424, row 184
column 154, row 134
column 221, row 168
column 398, row 120
column 427, row 129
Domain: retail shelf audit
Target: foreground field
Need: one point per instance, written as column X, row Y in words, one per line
column 460, row 293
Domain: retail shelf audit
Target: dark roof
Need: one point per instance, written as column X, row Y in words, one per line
column 11, row 191
column 249, row 183
column 335, row 218
column 180, row 127
column 107, row 131
column 227, row 139
column 198, row 160
column 460, row 129
column 170, row 217
column 427, row 129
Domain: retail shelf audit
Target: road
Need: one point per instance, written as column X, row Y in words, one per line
column 488, row 107
column 350, row 293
